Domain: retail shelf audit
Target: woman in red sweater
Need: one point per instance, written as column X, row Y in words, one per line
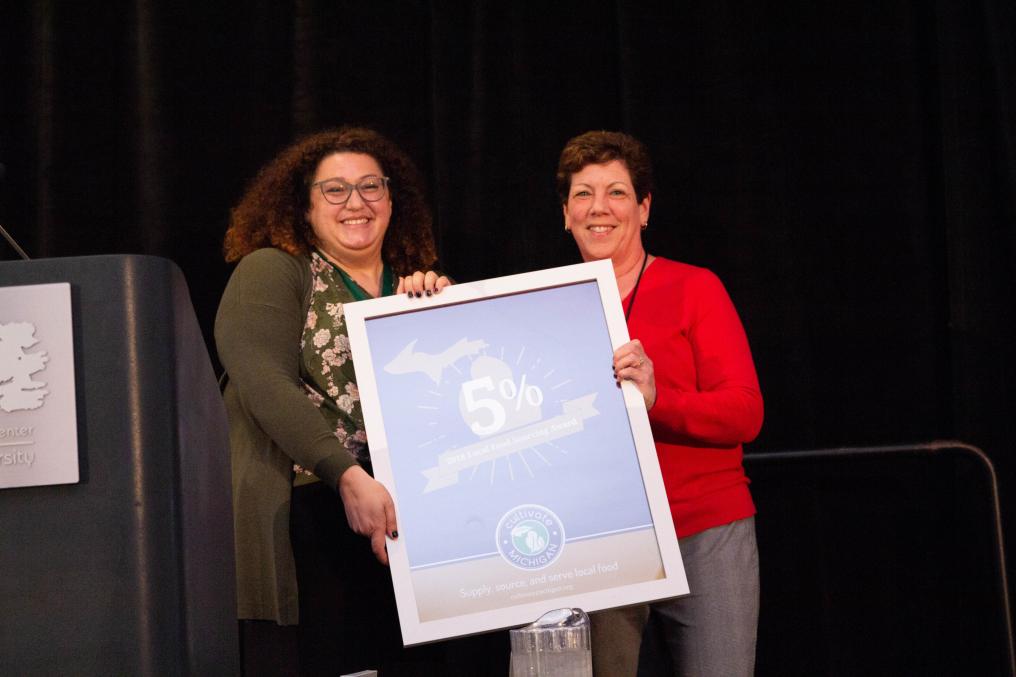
column 690, row 359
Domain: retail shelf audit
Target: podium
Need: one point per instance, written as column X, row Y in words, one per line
column 130, row 571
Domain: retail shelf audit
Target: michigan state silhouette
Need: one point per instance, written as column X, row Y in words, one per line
column 17, row 389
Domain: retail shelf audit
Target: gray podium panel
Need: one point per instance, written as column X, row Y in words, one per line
column 129, row 571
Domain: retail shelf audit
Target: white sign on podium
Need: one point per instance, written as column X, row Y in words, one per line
column 38, row 417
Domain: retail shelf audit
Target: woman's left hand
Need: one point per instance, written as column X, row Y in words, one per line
column 632, row 364
column 420, row 283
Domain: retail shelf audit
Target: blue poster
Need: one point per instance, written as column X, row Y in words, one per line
column 501, row 418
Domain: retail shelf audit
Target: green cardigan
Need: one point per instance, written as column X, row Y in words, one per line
column 272, row 424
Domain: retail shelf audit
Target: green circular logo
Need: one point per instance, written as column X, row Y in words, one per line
column 530, row 537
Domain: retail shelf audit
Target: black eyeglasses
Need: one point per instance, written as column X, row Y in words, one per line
column 338, row 192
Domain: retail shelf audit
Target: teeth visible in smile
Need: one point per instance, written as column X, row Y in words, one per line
column 354, row 222
column 600, row 229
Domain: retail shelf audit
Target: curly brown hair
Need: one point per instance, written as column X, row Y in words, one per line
column 272, row 211
column 597, row 148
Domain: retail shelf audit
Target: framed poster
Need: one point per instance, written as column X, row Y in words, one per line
column 524, row 478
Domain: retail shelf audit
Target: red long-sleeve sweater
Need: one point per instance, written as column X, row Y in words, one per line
column 707, row 395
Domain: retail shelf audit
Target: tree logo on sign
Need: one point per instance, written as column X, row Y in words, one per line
column 18, row 391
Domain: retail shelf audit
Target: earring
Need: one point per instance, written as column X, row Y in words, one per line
column 645, row 225
column 567, row 229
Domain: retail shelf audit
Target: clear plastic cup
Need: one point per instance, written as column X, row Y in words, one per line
column 556, row 644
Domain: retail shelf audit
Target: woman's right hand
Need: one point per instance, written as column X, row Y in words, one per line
column 369, row 509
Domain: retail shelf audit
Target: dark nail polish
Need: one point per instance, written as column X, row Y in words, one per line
column 395, row 534
column 418, row 294
column 409, row 294
column 429, row 292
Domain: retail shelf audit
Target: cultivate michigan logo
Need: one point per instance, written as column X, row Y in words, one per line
column 18, row 391
column 530, row 537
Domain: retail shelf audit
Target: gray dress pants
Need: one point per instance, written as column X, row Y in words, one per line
column 711, row 631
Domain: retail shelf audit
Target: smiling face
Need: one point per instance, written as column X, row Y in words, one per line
column 354, row 231
column 603, row 213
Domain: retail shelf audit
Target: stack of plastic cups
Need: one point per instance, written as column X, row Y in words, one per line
column 557, row 644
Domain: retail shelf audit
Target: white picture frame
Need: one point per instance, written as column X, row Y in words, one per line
column 524, row 479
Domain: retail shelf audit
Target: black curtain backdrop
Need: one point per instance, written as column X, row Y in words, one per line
column 848, row 169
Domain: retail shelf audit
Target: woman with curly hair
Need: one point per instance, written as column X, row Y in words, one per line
column 337, row 217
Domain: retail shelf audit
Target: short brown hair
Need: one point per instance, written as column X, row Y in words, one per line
column 272, row 211
column 596, row 148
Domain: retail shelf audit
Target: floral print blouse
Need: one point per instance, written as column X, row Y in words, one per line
column 326, row 365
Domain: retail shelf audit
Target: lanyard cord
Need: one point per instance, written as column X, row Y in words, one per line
column 635, row 290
